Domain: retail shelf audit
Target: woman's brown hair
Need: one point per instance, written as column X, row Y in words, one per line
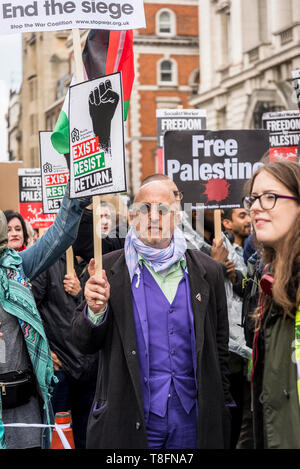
column 284, row 264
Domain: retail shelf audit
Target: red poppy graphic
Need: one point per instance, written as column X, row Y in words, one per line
column 217, row 190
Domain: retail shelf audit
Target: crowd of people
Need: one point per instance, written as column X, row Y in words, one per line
column 185, row 342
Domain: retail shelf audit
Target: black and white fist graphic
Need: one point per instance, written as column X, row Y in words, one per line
column 102, row 106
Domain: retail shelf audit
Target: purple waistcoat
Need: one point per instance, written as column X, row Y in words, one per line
column 165, row 342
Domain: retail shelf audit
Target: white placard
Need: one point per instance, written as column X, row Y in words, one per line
column 178, row 119
column 52, row 15
column 97, row 154
column 55, row 174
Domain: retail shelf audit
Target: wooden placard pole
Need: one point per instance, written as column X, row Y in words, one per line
column 97, row 235
column 217, row 225
column 96, row 199
column 70, row 261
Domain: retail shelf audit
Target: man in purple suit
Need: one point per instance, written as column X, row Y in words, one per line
column 162, row 333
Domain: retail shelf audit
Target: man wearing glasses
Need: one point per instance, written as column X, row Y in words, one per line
column 162, row 331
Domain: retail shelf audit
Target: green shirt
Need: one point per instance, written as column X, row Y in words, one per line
column 167, row 281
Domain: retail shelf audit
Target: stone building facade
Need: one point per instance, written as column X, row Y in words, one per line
column 248, row 49
column 166, row 76
column 45, row 64
column 13, row 131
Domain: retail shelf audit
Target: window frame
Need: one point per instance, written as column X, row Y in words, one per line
column 172, row 31
column 173, row 71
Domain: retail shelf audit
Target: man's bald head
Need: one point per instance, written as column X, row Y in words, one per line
column 165, row 180
column 155, row 188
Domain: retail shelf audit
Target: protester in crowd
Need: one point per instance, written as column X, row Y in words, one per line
column 36, row 235
column 84, row 244
column 249, row 248
column 198, row 230
column 57, row 294
column 237, row 221
column 17, row 231
column 274, row 203
column 106, row 218
column 31, row 233
column 163, row 378
column 234, row 271
column 27, row 361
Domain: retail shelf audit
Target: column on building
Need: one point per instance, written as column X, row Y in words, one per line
column 250, row 24
column 205, row 36
column 221, row 39
column 296, row 19
column 295, row 11
column 281, row 14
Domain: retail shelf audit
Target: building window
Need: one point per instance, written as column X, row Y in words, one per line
column 194, row 81
column 222, row 118
column 165, row 23
column 32, row 89
column 261, row 108
column 223, row 9
column 167, row 72
column 31, row 120
column 49, row 122
column 32, row 157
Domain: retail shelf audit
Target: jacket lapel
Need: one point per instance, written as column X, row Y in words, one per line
column 140, row 303
column 122, row 307
column 199, row 288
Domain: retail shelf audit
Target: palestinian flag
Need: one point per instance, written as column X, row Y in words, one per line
column 105, row 52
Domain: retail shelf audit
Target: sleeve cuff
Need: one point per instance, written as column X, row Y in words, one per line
column 96, row 319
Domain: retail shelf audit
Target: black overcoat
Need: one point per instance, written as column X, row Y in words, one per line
column 120, row 422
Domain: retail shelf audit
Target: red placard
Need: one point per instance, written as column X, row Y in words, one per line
column 33, row 213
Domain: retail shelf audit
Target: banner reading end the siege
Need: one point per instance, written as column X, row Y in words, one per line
column 211, row 167
column 23, row 16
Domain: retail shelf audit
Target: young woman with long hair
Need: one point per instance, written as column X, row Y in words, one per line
column 273, row 200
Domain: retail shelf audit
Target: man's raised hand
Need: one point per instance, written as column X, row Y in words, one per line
column 96, row 290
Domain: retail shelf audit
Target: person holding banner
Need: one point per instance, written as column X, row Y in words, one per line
column 273, row 200
column 162, row 329
column 237, row 222
column 26, row 369
column 84, row 244
column 57, row 294
column 233, row 270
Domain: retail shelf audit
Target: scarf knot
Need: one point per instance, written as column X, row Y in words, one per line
column 158, row 259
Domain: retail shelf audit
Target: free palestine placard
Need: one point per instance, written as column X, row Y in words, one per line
column 211, row 167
